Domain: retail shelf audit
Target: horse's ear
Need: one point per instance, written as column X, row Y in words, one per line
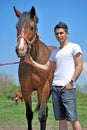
column 17, row 12
column 32, row 12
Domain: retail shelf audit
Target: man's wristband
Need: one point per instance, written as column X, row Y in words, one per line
column 72, row 82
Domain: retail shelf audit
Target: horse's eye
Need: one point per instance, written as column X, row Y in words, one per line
column 32, row 28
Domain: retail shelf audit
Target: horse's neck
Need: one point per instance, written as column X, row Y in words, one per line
column 39, row 51
column 34, row 50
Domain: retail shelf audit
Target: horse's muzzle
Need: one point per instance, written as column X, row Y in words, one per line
column 20, row 52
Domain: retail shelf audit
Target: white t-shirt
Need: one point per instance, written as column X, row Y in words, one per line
column 65, row 66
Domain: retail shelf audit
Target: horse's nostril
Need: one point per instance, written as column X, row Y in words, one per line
column 19, row 49
column 16, row 49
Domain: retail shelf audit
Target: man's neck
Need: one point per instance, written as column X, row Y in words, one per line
column 62, row 45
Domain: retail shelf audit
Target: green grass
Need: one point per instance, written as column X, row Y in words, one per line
column 14, row 115
column 11, row 113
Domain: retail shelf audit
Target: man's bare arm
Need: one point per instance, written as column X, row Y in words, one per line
column 42, row 67
column 78, row 66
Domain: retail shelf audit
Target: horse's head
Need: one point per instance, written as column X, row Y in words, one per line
column 26, row 31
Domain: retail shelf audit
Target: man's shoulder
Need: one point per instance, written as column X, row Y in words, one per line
column 74, row 43
column 75, row 47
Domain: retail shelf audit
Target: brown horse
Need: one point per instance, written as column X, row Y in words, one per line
column 30, row 78
column 18, row 96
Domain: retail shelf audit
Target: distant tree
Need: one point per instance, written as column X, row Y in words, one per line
column 84, row 89
column 6, row 81
column 81, row 96
column 7, row 85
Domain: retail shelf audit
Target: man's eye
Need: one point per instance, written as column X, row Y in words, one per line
column 59, row 33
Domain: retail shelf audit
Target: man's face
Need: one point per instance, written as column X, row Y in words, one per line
column 61, row 35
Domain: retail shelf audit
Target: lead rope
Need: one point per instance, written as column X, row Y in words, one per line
column 10, row 63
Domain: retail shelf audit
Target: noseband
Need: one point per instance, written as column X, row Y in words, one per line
column 27, row 41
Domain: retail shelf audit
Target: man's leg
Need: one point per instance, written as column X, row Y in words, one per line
column 76, row 125
column 63, row 125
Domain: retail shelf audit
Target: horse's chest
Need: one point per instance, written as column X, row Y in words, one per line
column 30, row 75
column 38, row 79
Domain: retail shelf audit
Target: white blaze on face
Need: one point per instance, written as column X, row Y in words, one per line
column 21, row 45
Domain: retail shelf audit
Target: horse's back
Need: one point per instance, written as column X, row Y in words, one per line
column 51, row 48
column 45, row 50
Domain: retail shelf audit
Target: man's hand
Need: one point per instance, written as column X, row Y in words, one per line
column 67, row 86
column 28, row 59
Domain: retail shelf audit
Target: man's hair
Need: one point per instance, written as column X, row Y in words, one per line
column 61, row 25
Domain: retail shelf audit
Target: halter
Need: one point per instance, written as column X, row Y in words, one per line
column 27, row 41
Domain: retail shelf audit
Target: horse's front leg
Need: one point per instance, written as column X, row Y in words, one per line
column 29, row 115
column 43, row 114
column 43, row 97
column 43, row 111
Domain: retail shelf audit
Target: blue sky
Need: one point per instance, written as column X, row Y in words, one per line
column 50, row 12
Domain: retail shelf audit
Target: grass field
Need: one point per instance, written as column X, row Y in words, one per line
column 12, row 117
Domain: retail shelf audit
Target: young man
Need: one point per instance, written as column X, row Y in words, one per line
column 68, row 58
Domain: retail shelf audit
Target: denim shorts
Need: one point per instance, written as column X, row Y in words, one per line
column 64, row 103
